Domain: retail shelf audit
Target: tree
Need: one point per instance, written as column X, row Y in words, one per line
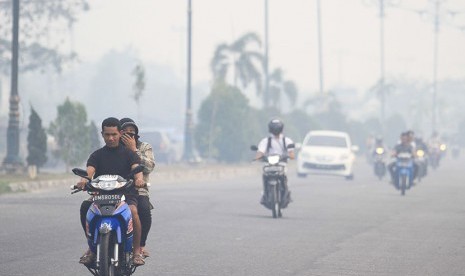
column 279, row 86
column 38, row 21
column 246, row 63
column 139, row 84
column 225, row 137
column 71, row 133
column 36, row 141
column 94, row 137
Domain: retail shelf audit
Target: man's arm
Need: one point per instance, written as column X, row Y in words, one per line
column 147, row 159
column 90, row 173
column 138, row 177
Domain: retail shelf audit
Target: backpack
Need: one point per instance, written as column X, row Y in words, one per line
column 268, row 146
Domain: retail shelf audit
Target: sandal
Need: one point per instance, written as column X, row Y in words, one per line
column 138, row 259
column 144, row 253
column 88, row 258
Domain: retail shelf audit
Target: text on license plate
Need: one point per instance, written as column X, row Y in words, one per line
column 107, row 197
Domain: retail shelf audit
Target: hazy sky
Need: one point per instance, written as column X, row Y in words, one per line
column 156, row 30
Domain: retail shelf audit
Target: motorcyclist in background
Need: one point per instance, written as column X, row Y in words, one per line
column 379, row 143
column 276, row 143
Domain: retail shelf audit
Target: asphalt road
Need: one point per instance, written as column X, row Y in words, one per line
column 333, row 227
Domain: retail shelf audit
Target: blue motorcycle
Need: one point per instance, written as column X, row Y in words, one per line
column 404, row 172
column 109, row 226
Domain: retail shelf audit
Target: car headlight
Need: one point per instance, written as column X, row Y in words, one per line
column 344, row 157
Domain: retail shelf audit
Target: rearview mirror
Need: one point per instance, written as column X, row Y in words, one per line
column 291, row 146
column 355, row 148
column 80, row 172
column 253, row 148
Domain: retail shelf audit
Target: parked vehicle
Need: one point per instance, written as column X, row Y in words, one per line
column 165, row 149
column 109, row 224
column 326, row 152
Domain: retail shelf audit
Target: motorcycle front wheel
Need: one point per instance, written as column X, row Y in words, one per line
column 106, row 268
column 275, row 209
column 403, row 185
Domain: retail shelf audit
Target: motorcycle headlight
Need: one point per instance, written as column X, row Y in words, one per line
column 108, row 182
column 420, row 153
column 274, row 159
column 379, row 150
column 443, row 147
column 108, row 185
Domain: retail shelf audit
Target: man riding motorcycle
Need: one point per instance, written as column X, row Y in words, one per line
column 114, row 159
column 277, row 144
column 405, row 145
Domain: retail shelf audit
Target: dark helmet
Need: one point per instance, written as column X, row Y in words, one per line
column 275, row 126
column 125, row 122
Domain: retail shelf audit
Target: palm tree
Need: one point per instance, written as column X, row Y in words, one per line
column 246, row 63
column 279, row 86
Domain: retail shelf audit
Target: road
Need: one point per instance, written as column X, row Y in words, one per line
column 333, row 227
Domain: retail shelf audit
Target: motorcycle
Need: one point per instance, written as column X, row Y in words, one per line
column 109, row 225
column 422, row 163
column 274, row 175
column 379, row 164
column 404, row 172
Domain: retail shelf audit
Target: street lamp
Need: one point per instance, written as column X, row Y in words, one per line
column 188, row 154
column 320, row 47
column 382, row 79
column 265, row 65
column 12, row 161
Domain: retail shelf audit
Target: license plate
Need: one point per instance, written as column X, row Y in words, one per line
column 107, row 199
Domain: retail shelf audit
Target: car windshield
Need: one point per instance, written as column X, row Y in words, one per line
column 327, row 141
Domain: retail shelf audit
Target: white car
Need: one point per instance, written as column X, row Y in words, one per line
column 326, row 152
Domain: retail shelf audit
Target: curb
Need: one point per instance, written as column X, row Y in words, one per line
column 162, row 177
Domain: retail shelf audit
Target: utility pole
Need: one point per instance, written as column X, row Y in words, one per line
column 320, row 47
column 265, row 65
column 188, row 154
column 12, row 161
column 381, row 88
column 437, row 6
column 382, row 92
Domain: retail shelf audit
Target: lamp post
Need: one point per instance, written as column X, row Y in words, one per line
column 266, row 95
column 320, row 47
column 12, row 161
column 382, row 78
column 188, row 154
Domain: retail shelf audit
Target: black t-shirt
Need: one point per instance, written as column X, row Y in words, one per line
column 113, row 161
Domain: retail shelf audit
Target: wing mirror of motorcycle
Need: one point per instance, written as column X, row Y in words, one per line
column 355, row 148
column 135, row 171
column 291, row 146
column 80, row 172
column 253, row 148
